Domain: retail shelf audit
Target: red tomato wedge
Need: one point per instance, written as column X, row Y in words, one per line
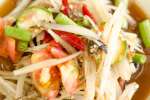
column 56, row 49
column 1, row 27
column 3, row 49
column 8, row 49
column 70, row 76
column 49, row 89
column 3, row 43
column 69, row 71
column 52, row 87
column 57, row 53
column 11, row 48
column 72, row 39
column 55, row 83
column 40, row 56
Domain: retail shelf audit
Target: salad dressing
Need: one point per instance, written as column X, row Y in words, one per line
column 139, row 9
column 7, row 6
column 144, row 81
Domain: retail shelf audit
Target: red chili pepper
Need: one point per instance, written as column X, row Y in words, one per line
column 65, row 9
column 86, row 12
column 65, row 2
column 72, row 39
column 47, row 37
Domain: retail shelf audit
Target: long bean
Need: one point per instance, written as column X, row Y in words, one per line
column 144, row 29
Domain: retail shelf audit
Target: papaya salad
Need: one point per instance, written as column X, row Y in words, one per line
column 70, row 50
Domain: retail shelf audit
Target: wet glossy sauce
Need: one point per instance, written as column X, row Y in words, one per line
column 144, row 82
column 144, row 79
column 136, row 11
column 7, row 6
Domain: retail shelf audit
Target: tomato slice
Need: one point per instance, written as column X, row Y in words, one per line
column 1, row 27
column 55, row 49
column 54, row 83
column 69, row 71
column 3, row 49
column 40, row 56
column 49, row 89
column 11, row 48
